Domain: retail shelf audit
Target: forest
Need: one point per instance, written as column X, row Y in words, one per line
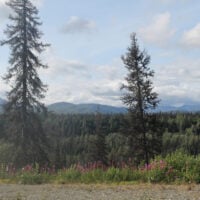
column 87, row 138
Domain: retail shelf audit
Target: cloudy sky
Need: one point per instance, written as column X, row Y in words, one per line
column 88, row 37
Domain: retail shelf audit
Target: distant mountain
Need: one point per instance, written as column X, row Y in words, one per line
column 183, row 108
column 69, row 108
column 66, row 108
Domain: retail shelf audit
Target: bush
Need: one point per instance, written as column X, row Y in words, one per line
column 187, row 167
column 69, row 175
column 33, row 178
column 93, row 176
column 176, row 167
column 158, row 171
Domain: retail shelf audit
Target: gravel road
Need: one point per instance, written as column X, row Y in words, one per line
column 99, row 192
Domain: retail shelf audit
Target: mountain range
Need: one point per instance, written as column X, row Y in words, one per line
column 66, row 108
column 70, row 108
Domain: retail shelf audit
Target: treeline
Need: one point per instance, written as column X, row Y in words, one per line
column 89, row 138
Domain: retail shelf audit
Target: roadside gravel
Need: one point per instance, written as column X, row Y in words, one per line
column 99, row 192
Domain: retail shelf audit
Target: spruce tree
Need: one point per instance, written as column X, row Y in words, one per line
column 23, row 37
column 139, row 96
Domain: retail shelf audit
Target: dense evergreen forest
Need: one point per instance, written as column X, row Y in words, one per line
column 88, row 138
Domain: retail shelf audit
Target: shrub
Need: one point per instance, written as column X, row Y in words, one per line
column 69, row 175
column 33, row 178
column 187, row 167
column 176, row 167
column 93, row 176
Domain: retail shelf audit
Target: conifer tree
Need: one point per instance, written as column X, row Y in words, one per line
column 139, row 95
column 23, row 37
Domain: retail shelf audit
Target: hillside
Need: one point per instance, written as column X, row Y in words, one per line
column 183, row 108
column 66, row 108
column 69, row 108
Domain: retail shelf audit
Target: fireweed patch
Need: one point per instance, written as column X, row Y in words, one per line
column 177, row 167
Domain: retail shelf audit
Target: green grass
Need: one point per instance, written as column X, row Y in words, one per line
column 175, row 168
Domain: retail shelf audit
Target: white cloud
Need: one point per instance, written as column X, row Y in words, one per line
column 78, row 25
column 159, row 31
column 37, row 2
column 179, row 82
column 78, row 82
column 4, row 10
column 74, row 81
column 191, row 38
column 2, row 2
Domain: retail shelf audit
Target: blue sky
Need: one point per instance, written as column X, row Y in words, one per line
column 88, row 37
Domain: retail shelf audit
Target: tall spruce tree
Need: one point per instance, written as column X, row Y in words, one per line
column 24, row 104
column 139, row 96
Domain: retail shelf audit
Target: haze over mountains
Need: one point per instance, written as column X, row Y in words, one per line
column 70, row 108
column 65, row 108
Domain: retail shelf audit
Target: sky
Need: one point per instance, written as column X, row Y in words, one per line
column 88, row 38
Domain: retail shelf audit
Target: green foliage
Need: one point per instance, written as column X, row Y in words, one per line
column 187, row 167
column 140, row 99
column 23, row 127
column 121, row 175
column 110, row 175
column 174, row 168
column 93, row 176
column 32, row 178
column 69, row 175
column 32, row 175
column 70, row 139
column 159, row 171
column 6, row 152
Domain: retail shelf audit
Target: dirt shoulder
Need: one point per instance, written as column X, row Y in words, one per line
column 99, row 192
